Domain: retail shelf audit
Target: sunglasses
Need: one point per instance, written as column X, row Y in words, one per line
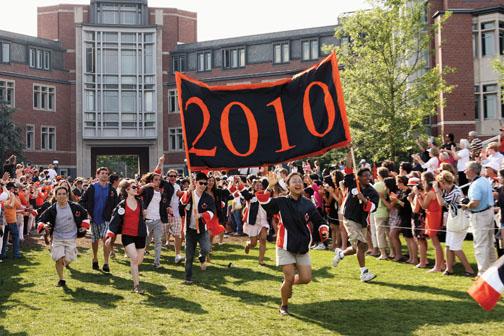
column 172, row 175
column 202, row 183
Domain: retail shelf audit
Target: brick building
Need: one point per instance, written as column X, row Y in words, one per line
column 99, row 78
column 470, row 40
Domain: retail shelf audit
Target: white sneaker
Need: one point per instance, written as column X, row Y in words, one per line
column 320, row 246
column 178, row 259
column 338, row 256
column 367, row 276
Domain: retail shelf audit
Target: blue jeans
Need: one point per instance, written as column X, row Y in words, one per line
column 192, row 238
column 13, row 228
column 236, row 217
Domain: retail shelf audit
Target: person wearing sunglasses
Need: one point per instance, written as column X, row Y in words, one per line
column 199, row 210
column 127, row 220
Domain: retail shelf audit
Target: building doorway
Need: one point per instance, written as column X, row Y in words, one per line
column 126, row 162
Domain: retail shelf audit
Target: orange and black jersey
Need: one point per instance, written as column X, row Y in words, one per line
column 294, row 233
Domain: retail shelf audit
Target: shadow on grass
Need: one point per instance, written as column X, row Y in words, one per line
column 424, row 289
column 11, row 281
column 390, row 316
column 104, row 300
column 166, row 301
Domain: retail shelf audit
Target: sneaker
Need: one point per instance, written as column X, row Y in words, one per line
column 178, row 259
column 106, row 268
column 96, row 266
column 367, row 276
column 188, row 282
column 61, row 283
column 284, row 310
column 138, row 290
column 156, row 265
column 338, row 256
column 320, row 246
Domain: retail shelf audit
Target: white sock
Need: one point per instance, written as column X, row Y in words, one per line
column 363, row 270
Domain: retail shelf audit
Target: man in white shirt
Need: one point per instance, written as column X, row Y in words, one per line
column 174, row 227
column 51, row 173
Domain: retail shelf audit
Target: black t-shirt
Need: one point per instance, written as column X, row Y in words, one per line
column 405, row 212
column 354, row 210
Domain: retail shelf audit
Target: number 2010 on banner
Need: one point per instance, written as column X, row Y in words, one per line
column 252, row 123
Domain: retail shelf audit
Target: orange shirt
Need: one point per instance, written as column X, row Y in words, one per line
column 10, row 211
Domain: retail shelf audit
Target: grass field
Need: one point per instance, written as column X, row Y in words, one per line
column 240, row 300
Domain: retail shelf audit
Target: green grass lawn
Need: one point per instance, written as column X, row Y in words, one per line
column 240, row 300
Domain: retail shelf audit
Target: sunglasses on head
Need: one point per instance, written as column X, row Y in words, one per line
column 203, row 183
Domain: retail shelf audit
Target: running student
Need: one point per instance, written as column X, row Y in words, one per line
column 199, row 210
column 361, row 200
column 294, row 234
column 128, row 221
column 65, row 221
column 99, row 200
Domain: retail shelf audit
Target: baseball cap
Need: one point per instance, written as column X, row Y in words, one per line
column 413, row 181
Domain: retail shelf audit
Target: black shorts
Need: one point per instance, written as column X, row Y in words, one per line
column 138, row 241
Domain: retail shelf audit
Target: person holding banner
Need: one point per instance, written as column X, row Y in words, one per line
column 199, row 210
column 362, row 199
column 294, row 234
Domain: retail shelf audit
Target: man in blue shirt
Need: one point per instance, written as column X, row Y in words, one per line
column 99, row 200
column 482, row 216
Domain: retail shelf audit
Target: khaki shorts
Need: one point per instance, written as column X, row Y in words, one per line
column 356, row 233
column 64, row 248
column 284, row 257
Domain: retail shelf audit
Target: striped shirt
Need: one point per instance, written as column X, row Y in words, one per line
column 476, row 146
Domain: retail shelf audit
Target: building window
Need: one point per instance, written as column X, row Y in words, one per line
column 48, row 138
column 4, row 52
column 173, row 101
column 310, row 50
column 488, row 38
column 233, row 58
column 176, row 139
column 39, row 59
column 490, row 101
column 501, row 37
column 205, row 61
column 475, row 41
column 477, row 102
column 7, row 92
column 44, row 97
column 30, row 137
column 129, row 14
column 179, row 63
column 281, row 53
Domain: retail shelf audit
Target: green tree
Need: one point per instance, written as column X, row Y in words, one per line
column 389, row 93
column 10, row 135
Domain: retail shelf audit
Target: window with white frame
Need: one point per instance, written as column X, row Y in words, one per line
column 173, row 101
column 44, row 97
column 176, row 140
column 475, row 40
column 233, row 58
column 39, row 59
column 205, row 61
column 4, row 52
column 48, row 138
column 281, row 53
column 490, row 101
column 7, row 92
column 179, row 63
column 30, row 137
column 488, row 38
column 477, row 102
column 310, row 50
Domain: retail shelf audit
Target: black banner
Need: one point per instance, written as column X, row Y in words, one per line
column 256, row 124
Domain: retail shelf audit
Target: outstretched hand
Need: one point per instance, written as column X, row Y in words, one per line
column 272, row 179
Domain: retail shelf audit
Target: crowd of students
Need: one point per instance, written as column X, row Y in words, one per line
column 342, row 208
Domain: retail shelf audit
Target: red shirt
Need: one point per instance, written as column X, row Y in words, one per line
column 131, row 220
